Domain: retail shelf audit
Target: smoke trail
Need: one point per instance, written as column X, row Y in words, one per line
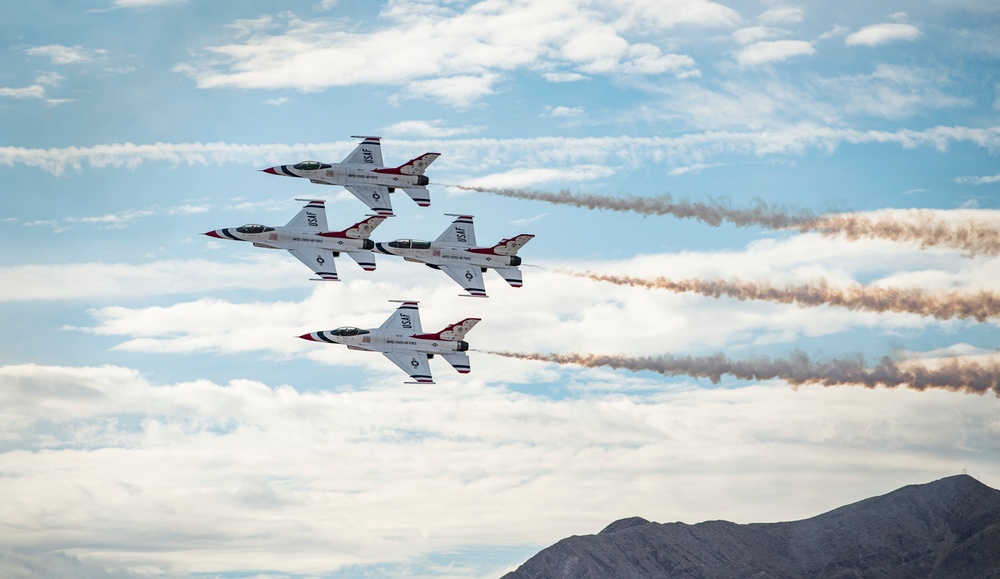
column 713, row 212
column 971, row 237
column 952, row 374
column 980, row 305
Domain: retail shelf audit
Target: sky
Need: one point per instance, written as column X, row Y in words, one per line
column 746, row 215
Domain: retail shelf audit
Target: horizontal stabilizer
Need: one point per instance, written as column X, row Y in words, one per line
column 420, row 195
column 460, row 360
column 365, row 259
column 511, row 274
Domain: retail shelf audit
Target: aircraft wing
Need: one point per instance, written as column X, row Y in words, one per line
column 318, row 260
column 469, row 277
column 405, row 320
column 460, row 232
column 375, row 196
column 413, row 363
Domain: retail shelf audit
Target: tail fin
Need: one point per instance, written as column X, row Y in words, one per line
column 415, row 166
column 419, row 165
column 456, row 331
column 512, row 245
column 360, row 230
column 312, row 215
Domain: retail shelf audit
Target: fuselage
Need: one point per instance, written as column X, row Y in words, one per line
column 445, row 254
column 283, row 237
column 377, row 340
column 349, row 174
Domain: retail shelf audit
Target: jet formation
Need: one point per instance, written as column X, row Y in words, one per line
column 307, row 236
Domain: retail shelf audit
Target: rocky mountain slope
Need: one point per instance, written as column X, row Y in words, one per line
column 949, row 528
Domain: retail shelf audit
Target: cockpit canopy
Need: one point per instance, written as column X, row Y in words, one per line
column 311, row 165
column 253, row 228
column 347, row 331
column 410, row 244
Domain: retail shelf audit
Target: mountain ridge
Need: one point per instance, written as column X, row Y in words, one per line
column 945, row 528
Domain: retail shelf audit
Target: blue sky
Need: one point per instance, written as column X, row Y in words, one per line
column 158, row 418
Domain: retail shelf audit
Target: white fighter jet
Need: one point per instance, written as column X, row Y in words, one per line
column 307, row 238
column 402, row 340
column 363, row 174
column 455, row 253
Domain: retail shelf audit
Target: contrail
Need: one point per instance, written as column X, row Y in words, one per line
column 953, row 374
column 980, row 305
column 924, row 227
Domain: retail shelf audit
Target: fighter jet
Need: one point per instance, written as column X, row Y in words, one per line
column 402, row 340
column 307, row 238
column 455, row 253
column 363, row 174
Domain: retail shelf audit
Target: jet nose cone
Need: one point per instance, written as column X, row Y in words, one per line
column 308, row 337
column 270, row 170
column 212, row 234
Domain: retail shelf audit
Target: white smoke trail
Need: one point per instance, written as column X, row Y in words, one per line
column 924, row 227
column 981, row 305
column 798, row 369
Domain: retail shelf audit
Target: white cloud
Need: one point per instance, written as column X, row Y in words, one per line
column 450, row 55
column 199, row 477
column 666, row 14
column 877, row 34
column 277, row 102
column 60, row 54
column 893, row 92
column 987, row 180
column 88, row 281
column 753, row 34
column 485, row 154
column 434, row 129
column 695, row 168
column 563, row 76
column 146, row 3
column 459, row 91
column 773, row 51
column 35, row 91
column 561, row 111
column 783, row 15
column 49, row 78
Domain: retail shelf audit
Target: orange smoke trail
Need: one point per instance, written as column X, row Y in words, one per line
column 953, row 374
column 925, row 228
column 971, row 237
column 980, row 305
